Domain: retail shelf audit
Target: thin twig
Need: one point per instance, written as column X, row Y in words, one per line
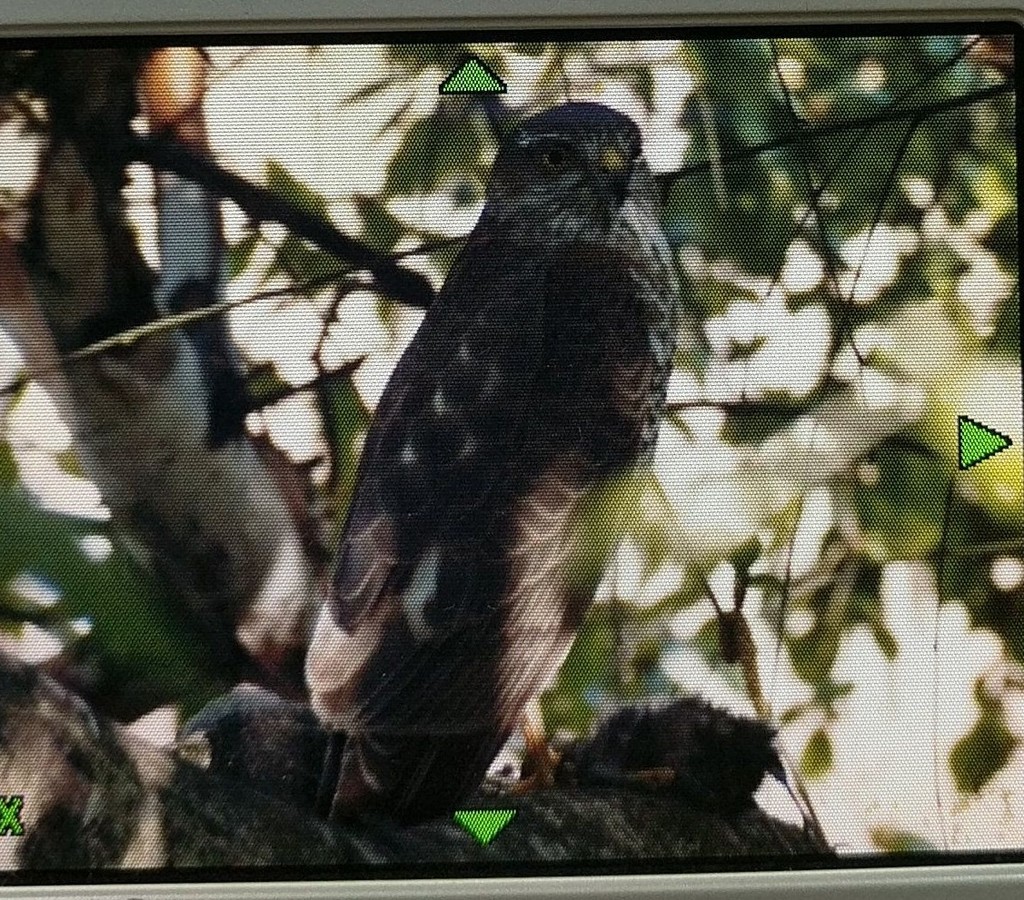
column 890, row 114
column 940, row 572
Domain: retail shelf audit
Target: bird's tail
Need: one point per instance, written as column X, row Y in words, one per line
column 410, row 777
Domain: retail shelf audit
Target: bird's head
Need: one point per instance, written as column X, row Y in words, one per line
column 570, row 168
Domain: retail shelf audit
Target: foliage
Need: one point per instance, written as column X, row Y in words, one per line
column 126, row 644
column 910, row 224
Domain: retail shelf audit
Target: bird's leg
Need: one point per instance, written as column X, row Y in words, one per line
column 613, row 775
column 540, row 759
column 659, row 777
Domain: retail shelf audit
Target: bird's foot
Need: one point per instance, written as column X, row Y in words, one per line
column 540, row 762
column 539, row 774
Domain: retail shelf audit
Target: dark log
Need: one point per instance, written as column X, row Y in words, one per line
column 95, row 796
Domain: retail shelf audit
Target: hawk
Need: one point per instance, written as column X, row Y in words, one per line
column 536, row 377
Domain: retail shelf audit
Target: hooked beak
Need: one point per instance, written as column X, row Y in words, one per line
column 615, row 166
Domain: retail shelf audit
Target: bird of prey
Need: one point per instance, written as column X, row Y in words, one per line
column 537, row 376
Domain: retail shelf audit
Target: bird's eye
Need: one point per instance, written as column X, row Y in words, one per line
column 554, row 158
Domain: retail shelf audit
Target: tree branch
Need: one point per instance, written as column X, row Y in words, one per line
column 410, row 287
column 96, row 796
column 890, row 114
column 212, row 518
column 261, row 204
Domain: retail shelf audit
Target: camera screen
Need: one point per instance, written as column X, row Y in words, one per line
column 509, row 453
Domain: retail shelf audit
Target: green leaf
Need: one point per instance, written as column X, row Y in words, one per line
column 1005, row 338
column 707, row 642
column 755, row 227
column 995, row 191
column 738, row 350
column 744, row 556
column 265, row 385
column 68, row 462
column 305, row 263
column 894, row 840
column 565, row 705
column 530, row 48
column 432, row 149
column 817, row 758
column 827, row 693
column 966, row 579
column 302, row 196
column 143, row 651
column 9, row 626
column 241, row 252
column 902, row 510
column 380, row 228
column 8, row 465
column 982, row 752
column 345, row 419
column 814, row 652
column 754, row 423
column 885, row 639
column 590, row 675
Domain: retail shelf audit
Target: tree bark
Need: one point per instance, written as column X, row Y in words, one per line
column 96, row 796
column 210, row 517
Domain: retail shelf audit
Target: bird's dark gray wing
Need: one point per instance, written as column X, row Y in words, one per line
column 411, row 586
column 453, row 602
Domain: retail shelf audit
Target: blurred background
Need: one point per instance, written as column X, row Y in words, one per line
column 844, row 214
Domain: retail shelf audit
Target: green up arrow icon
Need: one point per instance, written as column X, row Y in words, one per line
column 472, row 77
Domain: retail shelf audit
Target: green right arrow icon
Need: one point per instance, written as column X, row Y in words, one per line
column 977, row 442
column 484, row 824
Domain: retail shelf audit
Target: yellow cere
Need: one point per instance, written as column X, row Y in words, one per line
column 613, row 160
